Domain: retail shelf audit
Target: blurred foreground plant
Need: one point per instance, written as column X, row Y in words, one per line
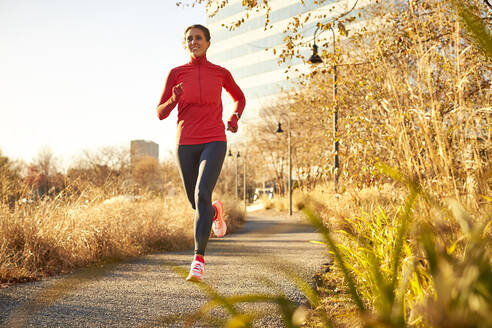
column 462, row 281
column 397, row 280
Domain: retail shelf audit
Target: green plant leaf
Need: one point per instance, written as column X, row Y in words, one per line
column 450, row 250
column 318, row 242
column 475, row 26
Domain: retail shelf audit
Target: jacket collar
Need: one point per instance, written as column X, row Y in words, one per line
column 198, row 60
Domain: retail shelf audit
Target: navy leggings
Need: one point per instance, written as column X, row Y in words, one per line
column 200, row 167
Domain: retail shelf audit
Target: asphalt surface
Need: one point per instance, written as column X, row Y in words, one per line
column 147, row 291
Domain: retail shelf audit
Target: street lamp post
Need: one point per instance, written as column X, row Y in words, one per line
column 316, row 59
column 244, row 185
column 335, row 116
column 237, row 176
column 237, row 173
column 289, row 145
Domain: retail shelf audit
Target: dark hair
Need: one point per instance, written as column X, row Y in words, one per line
column 201, row 27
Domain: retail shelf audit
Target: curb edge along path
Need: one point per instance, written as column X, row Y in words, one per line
column 137, row 292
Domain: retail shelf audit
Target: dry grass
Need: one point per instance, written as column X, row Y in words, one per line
column 57, row 236
column 338, row 207
column 267, row 202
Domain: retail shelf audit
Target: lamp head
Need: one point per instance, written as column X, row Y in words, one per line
column 315, row 58
column 279, row 128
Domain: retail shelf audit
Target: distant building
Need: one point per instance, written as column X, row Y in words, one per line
column 142, row 148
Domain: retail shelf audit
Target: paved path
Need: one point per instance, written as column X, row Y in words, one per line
column 138, row 293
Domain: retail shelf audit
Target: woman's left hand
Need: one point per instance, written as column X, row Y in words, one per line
column 232, row 124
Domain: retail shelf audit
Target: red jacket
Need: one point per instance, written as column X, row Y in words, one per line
column 200, row 105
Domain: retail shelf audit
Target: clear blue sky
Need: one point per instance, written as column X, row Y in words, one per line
column 81, row 74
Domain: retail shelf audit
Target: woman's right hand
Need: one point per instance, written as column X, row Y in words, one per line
column 178, row 90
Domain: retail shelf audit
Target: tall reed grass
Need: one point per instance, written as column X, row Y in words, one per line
column 413, row 92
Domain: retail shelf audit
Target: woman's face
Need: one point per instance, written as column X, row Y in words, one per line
column 196, row 43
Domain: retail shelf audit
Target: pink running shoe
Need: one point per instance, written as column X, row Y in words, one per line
column 196, row 271
column 219, row 226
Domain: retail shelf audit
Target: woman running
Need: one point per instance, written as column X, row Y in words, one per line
column 196, row 88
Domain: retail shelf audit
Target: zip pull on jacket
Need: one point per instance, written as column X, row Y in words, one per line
column 200, row 105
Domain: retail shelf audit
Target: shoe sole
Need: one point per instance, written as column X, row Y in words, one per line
column 193, row 279
column 221, row 216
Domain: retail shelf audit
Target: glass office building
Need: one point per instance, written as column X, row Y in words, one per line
column 242, row 51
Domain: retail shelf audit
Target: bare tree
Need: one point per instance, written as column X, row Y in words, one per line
column 46, row 162
column 114, row 157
